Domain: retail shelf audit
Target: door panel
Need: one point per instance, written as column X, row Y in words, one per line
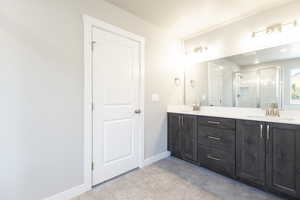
column 251, row 152
column 116, row 76
column 174, row 138
column 122, row 130
column 189, row 137
column 282, row 159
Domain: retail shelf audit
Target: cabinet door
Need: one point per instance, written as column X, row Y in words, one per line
column 251, row 155
column 189, row 137
column 174, row 138
column 282, row 158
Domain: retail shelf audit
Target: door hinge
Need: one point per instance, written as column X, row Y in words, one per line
column 93, row 45
column 93, row 165
column 93, row 106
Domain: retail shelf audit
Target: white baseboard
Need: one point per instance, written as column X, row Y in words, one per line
column 156, row 158
column 71, row 193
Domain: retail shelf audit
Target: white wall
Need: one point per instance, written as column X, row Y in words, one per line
column 198, row 73
column 41, row 73
column 236, row 38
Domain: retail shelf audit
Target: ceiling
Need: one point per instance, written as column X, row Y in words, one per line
column 187, row 17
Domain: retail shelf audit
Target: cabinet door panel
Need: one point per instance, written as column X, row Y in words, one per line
column 282, row 159
column 174, row 138
column 189, row 137
column 298, row 161
column 251, row 154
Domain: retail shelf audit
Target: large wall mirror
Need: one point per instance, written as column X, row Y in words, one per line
column 251, row 80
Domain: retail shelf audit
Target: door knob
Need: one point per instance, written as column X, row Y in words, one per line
column 137, row 111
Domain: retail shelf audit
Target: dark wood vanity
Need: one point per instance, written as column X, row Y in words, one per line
column 261, row 154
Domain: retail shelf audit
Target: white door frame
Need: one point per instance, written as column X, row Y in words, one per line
column 89, row 23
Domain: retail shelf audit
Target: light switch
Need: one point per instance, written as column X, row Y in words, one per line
column 155, row 98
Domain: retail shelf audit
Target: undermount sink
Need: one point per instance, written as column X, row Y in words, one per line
column 271, row 118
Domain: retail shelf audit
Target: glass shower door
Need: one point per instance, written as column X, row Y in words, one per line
column 269, row 86
column 256, row 89
column 246, row 89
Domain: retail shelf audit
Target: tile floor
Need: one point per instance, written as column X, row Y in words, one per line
column 174, row 179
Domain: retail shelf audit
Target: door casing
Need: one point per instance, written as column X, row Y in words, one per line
column 89, row 23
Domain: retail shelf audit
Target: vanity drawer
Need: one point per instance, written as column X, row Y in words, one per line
column 217, row 160
column 217, row 122
column 222, row 139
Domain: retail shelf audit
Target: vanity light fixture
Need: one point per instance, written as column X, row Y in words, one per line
column 280, row 27
column 196, row 50
column 200, row 49
column 283, row 50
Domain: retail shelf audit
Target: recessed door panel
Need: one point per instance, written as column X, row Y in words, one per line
column 122, row 130
column 251, row 154
column 282, row 159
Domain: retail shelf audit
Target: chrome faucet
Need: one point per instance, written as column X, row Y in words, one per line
column 272, row 110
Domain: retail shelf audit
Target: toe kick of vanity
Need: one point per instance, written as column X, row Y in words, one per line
column 262, row 154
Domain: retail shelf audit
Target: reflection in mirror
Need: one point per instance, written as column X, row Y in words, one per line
column 295, row 86
column 253, row 80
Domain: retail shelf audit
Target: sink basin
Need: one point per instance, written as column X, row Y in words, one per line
column 271, row 118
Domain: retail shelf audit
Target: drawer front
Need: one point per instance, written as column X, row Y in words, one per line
column 222, row 139
column 217, row 122
column 217, row 160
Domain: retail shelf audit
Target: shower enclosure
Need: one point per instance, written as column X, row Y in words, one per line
column 257, row 88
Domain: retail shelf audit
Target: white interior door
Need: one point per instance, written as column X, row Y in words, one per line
column 116, row 77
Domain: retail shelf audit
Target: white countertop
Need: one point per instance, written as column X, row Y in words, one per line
column 255, row 114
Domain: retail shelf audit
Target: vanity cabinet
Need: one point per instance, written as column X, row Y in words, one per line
column 267, row 156
column 262, row 154
column 182, row 136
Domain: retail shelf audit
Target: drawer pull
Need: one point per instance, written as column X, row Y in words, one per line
column 261, row 131
column 268, row 132
column 215, row 123
column 213, row 158
column 214, row 138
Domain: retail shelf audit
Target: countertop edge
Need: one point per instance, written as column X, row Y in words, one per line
column 270, row 120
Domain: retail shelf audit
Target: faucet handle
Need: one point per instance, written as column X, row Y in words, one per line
column 275, row 105
column 277, row 112
column 267, row 111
